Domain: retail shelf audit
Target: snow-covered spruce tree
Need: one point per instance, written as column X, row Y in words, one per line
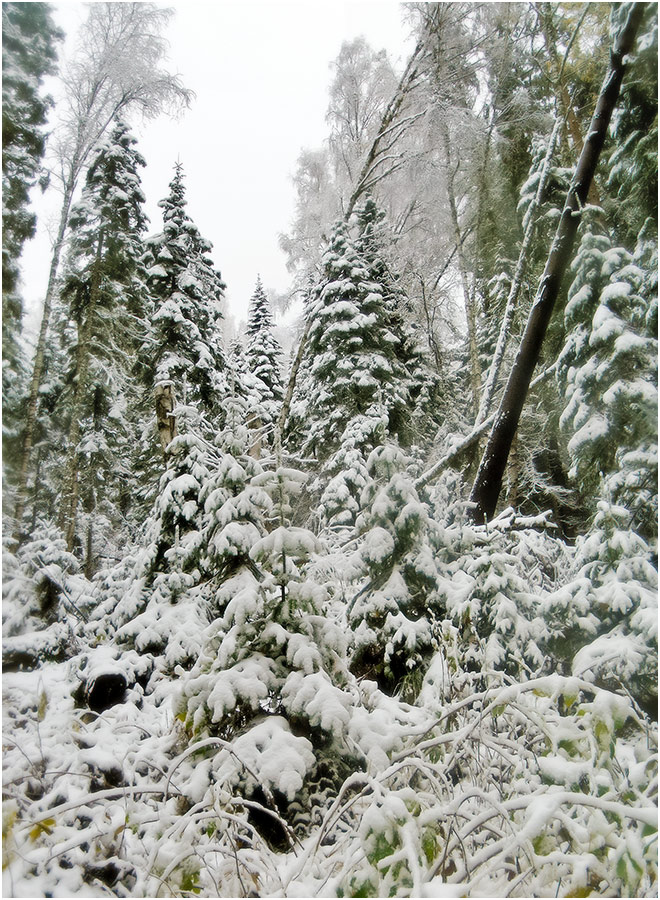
column 28, row 55
column 607, row 610
column 242, row 386
column 186, row 344
column 104, row 287
column 604, row 619
column 497, row 578
column 633, row 164
column 398, row 605
column 44, row 597
column 197, row 537
column 264, row 359
column 423, row 385
column 271, row 674
column 357, row 392
column 271, row 703
column 166, row 614
column 608, row 374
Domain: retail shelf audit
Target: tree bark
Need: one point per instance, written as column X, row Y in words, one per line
column 38, row 367
column 512, row 299
column 488, row 482
column 167, row 428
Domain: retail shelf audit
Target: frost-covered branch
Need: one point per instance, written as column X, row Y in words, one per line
column 473, row 438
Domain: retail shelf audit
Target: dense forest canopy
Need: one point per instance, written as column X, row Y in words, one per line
column 378, row 616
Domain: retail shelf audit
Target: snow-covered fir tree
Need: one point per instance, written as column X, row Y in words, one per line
column 398, row 603
column 186, row 344
column 356, row 391
column 28, row 55
column 423, row 385
column 603, row 620
column 166, row 613
column 242, row 385
column 264, row 359
column 29, row 40
column 105, row 289
column 608, row 369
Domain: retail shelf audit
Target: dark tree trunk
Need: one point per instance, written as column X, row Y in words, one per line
column 487, row 484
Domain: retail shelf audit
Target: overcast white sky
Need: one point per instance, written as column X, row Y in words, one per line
column 261, row 73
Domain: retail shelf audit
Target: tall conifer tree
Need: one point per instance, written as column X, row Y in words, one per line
column 188, row 293
column 105, row 290
column 264, row 356
column 358, row 389
column 28, row 55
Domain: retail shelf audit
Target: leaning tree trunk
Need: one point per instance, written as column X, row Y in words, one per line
column 38, row 367
column 516, row 284
column 488, row 482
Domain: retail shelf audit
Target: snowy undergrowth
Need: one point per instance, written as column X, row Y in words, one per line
column 537, row 789
column 272, row 764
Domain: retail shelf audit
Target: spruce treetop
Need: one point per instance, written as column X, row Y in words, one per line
column 264, row 356
column 28, row 55
column 188, row 291
column 260, row 315
column 351, row 349
column 108, row 221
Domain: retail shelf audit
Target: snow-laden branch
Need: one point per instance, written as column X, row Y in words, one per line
column 471, row 439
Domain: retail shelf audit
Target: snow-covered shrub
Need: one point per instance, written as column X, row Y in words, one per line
column 81, row 784
column 45, row 597
column 538, row 789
